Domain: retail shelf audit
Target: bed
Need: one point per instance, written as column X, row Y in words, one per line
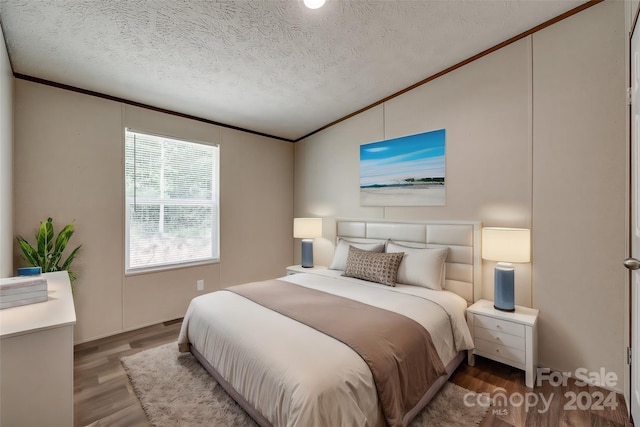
column 287, row 371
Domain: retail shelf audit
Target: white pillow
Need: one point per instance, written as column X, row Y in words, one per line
column 339, row 260
column 421, row 267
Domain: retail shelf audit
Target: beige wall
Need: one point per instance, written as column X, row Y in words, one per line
column 485, row 108
column 535, row 138
column 632, row 10
column 69, row 165
column 580, row 188
column 6, row 162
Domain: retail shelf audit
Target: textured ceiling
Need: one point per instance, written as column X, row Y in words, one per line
column 268, row 66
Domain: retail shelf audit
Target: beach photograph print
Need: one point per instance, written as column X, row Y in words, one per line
column 407, row 171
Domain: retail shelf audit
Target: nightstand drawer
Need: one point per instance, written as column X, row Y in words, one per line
column 504, row 326
column 499, row 338
column 507, row 337
column 502, row 351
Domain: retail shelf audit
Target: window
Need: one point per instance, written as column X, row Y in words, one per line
column 171, row 202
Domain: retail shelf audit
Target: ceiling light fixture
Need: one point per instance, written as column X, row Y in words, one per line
column 314, row 4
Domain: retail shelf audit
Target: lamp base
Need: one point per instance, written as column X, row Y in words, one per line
column 504, row 309
column 307, row 253
column 503, row 298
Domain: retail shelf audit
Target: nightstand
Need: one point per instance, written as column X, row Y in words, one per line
column 295, row 269
column 507, row 337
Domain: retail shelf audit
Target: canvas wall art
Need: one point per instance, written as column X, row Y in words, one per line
column 406, row 171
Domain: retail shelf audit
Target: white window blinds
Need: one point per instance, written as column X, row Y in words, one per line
column 172, row 203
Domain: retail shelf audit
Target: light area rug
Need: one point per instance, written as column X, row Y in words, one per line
column 175, row 390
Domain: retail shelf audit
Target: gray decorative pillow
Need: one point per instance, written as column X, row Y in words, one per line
column 377, row 267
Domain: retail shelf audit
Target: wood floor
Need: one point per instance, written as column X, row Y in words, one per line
column 600, row 407
column 104, row 396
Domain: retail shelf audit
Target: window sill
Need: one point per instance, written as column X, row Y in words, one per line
column 159, row 269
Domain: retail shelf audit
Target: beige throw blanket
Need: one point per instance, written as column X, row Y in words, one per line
column 399, row 351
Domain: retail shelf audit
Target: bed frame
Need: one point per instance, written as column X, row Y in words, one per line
column 463, row 275
column 463, row 264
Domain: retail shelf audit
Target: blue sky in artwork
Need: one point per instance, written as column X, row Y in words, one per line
column 394, row 160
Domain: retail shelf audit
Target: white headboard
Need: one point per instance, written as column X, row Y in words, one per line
column 463, row 265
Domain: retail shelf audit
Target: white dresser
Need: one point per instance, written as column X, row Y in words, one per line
column 36, row 359
column 507, row 337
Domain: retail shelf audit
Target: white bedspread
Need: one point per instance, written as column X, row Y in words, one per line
column 296, row 376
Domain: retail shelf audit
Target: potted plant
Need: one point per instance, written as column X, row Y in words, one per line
column 47, row 254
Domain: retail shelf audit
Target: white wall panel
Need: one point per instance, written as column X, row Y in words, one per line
column 6, row 163
column 580, row 188
column 69, row 165
column 485, row 108
column 535, row 138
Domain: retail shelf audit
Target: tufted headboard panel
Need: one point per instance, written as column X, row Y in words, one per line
column 463, row 264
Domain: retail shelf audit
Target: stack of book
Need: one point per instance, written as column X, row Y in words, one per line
column 23, row 290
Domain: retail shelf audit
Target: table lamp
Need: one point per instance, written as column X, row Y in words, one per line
column 307, row 229
column 505, row 245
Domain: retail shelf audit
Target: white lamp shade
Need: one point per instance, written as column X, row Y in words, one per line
column 506, row 244
column 307, row 228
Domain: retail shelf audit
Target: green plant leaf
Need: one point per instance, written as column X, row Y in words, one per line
column 54, row 260
column 72, row 278
column 45, row 243
column 30, row 254
column 50, row 234
column 41, row 238
column 48, row 251
column 63, row 238
column 50, row 238
column 67, row 263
